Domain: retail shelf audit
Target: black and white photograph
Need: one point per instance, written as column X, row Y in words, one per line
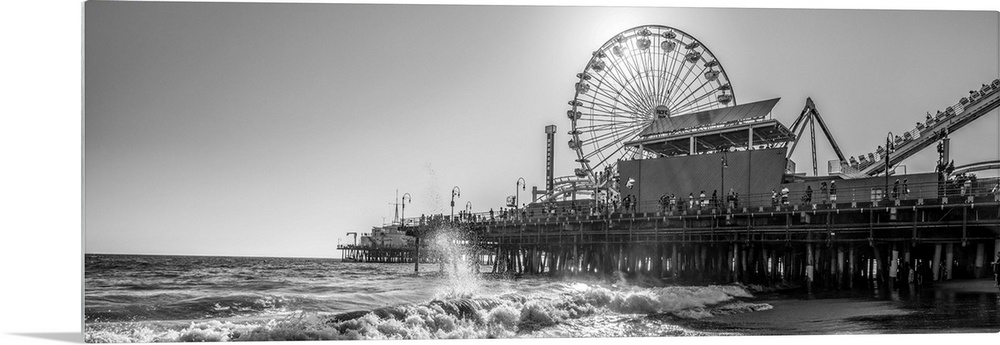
column 255, row 171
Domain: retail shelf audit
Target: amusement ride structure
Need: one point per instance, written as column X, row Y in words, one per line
column 659, row 74
column 641, row 74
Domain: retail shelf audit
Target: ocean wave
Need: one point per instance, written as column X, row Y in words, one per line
column 118, row 308
column 502, row 316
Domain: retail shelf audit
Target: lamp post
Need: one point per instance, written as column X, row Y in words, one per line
column 455, row 191
column 722, row 189
column 888, row 148
column 402, row 215
column 517, row 192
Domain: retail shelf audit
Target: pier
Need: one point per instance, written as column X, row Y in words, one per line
column 706, row 190
column 831, row 245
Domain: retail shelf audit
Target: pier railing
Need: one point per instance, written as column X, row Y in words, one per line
column 953, row 190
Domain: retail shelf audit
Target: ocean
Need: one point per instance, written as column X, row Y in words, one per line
column 140, row 298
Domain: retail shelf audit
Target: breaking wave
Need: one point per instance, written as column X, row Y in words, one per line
column 557, row 312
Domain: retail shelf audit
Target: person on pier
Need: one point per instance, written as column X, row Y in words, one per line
column 715, row 198
column 703, row 202
column 911, row 278
column 823, row 192
column 691, row 201
column 833, row 192
column 996, row 271
column 774, row 198
column 784, row 196
column 996, row 191
column 895, row 190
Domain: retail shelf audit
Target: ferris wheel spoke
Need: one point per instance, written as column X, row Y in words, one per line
column 619, row 117
column 616, row 149
column 675, row 64
column 657, row 63
column 700, row 107
column 670, row 72
column 694, row 104
column 687, row 88
column 701, row 93
column 618, row 120
column 618, row 138
column 683, row 68
column 653, row 68
column 661, row 81
column 609, row 98
column 602, row 142
column 610, row 103
column 635, row 69
column 642, row 78
column 603, row 109
column 606, row 117
column 599, row 127
column 674, row 72
column 622, row 96
column 609, row 133
column 628, row 88
column 682, row 80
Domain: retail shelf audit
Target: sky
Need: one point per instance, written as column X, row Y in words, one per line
column 275, row 129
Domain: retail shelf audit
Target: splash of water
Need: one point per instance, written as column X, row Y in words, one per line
column 434, row 198
column 458, row 261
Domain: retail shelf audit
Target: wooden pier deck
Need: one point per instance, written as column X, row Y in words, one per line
column 833, row 245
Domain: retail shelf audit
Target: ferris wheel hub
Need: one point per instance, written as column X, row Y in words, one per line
column 661, row 111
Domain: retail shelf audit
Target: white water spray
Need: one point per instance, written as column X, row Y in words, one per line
column 457, row 260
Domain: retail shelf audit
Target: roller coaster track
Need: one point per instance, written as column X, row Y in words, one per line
column 566, row 186
column 980, row 166
column 980, row 102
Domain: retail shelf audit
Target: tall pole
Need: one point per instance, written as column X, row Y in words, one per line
column 888, row 148
column 722, row 189
column 550, row 135
column 454, row 192
column 517, row 192
column 416, row 244
column 402, row 215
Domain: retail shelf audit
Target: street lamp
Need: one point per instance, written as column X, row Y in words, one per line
column 517, row 192
column 889, row 147
column 406, row 198
column 455, row 191
column 722, row 189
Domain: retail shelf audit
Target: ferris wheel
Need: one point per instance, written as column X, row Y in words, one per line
column 640, row 75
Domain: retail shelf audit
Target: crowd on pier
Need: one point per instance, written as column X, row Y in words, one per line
column 961, row 187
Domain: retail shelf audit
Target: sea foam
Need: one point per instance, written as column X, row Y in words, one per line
column 502, row 316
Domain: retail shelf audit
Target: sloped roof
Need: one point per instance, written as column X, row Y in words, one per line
column 708, row 117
